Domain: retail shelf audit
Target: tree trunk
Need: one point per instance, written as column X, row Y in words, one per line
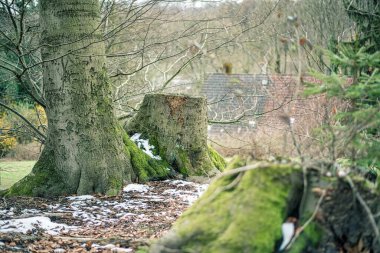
column 84, row 152
column 177, row 126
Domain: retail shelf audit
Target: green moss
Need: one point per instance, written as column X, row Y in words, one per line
column 114, row 186
column 244, row 218
column 183, row 162
column 216, row 159
column 142, row 249
column 310, row 237
column 145, row 167
column 43, row 181
column 236, row 162
column 25, row 187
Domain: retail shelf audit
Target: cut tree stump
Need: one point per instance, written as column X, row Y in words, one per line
column 243, row 210
column 177, row 126
column 239, row 212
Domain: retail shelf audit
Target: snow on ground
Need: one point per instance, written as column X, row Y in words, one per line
column 144, row 146
column 187, row 196
column 136, row 188
column 140, row 210
column 27, row 225
column 80, row 198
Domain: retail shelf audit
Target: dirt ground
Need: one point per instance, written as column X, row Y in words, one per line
column 95, row 223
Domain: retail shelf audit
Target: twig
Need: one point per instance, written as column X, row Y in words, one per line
column 50, row 215
column 41, row 135
column 112, row 240
column 366, row 208
column 234, row 182
column 225, row 188
column 302, row 228
column 242, row 169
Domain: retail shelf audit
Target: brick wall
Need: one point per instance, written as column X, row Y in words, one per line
column 284, row 104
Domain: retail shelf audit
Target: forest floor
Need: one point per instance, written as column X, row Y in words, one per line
column 95, row 223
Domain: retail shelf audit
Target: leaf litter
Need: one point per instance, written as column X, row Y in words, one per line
column 95, row 223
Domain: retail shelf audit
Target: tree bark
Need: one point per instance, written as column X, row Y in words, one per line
column 84, row 152
column 177, row 126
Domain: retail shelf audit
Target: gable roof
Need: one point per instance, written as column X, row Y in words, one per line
column 245, row 84
column 231, row 97
column 250, row 100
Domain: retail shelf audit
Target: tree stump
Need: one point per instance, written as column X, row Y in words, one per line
column 244, row 212
column 240, row 212
column 177, row 126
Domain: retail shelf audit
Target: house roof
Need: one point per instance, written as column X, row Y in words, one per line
column 232, row 96
column 255, row 95
column 220, row 84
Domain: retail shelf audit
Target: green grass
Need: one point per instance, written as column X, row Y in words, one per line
column 11, row 172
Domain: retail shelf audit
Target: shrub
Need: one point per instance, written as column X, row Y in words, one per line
column 7, row 139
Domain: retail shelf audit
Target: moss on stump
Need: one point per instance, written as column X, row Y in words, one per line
column 238, row 213
column 177, row 126
column 145, row 167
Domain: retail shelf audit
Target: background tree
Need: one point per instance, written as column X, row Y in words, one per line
column 354, row 134
column 366, row 15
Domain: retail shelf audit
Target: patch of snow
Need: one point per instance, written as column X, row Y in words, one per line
column 125, row 215
column 201, row 188
column 144, row 146
column 28, row 224
column 7, row 213
column 83, row 215
column 135, row 137
column 111, row 247
column 81, row 198
column 30, row 211
column 187, row 196
column 179, row 182
column 136, row 188
column 131, row 204
column 121, row 250
column 52, row 207
column 154, row 198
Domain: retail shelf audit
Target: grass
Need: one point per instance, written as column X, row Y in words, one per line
column 13, row 171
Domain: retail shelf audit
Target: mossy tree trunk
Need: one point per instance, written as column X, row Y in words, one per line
column 84, row 152
column 177, row 126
